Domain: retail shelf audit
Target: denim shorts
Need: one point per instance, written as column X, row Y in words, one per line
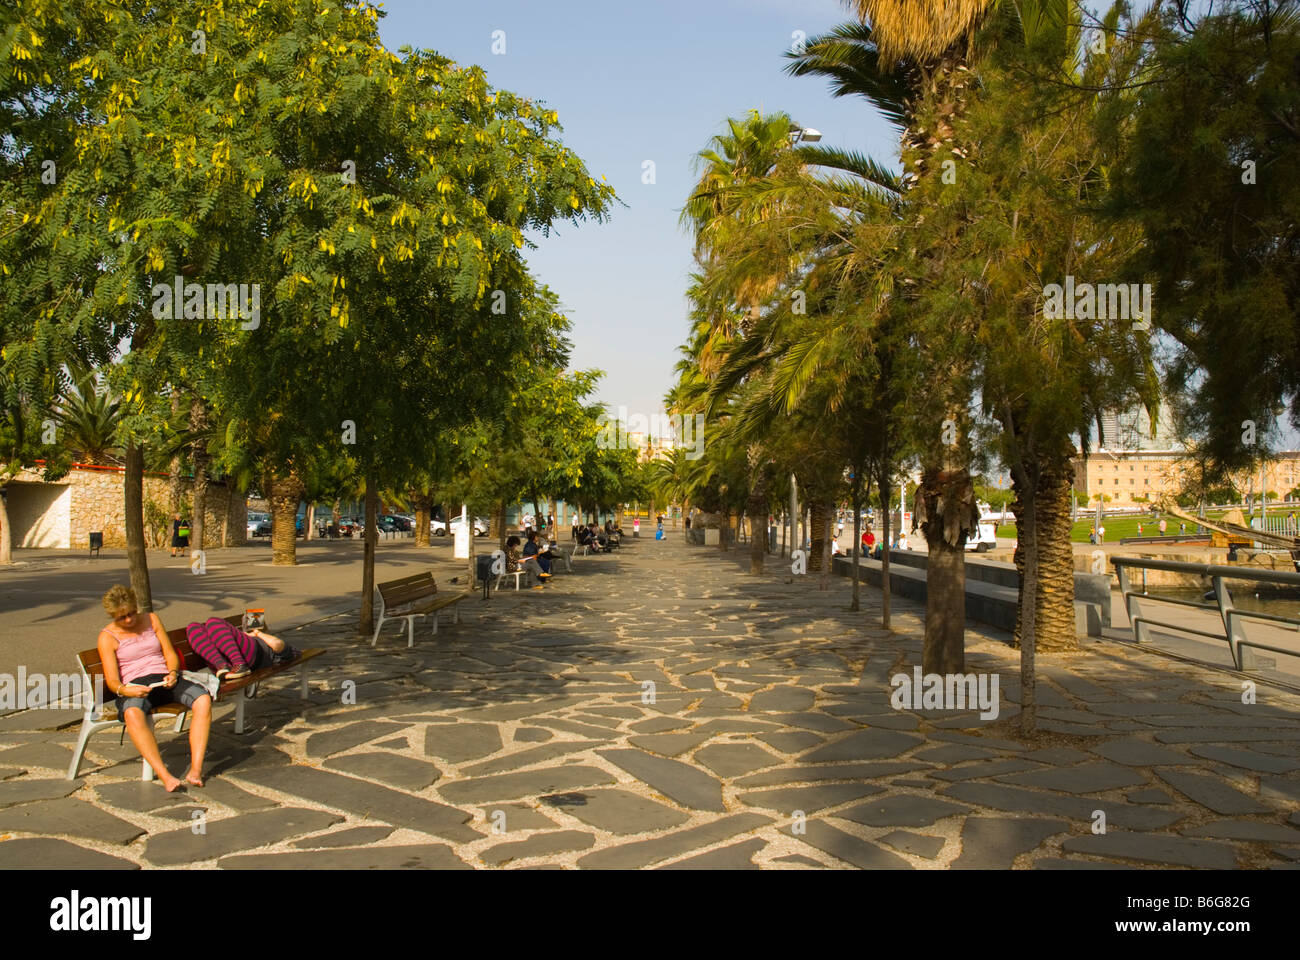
column 185, row 693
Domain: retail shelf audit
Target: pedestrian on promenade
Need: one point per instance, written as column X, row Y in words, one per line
column 1182, row 529
column 143, row 671
column 179, row 540
column 1139, row 528
column 1101, row 534
column 1162, row 526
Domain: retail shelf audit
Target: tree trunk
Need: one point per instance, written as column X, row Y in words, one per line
column 6, row 535
column 1053, row 592
column 882, row 482
column 309, row 522
column 285, row 494
column 422, row 505
column 366, row 624
column 824, row 581
column 817, row 526
column 230, row 507
column 501, row 526
column 945, row 595
column 857, row 539
column 199, row 454
column 133, row 507
column 724, row 529
column 175, row 484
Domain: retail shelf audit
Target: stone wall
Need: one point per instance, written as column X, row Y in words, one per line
column 97, row 505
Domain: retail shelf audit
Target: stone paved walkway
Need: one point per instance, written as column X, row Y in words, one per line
column 528, row 736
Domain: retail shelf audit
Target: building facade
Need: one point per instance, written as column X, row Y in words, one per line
column 62, row 514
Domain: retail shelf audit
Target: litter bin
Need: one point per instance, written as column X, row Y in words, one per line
column 96, row 543
column 483, row 571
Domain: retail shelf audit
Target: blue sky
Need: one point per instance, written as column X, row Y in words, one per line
column 635, row 82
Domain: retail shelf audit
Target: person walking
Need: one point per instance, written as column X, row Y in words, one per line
column 1163, row 526
column 180, row 535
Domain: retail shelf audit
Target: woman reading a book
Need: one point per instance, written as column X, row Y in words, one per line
column 135, row 646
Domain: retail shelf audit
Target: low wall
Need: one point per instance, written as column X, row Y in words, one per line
column 992, row 589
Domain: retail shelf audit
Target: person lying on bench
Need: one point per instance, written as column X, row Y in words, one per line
column 135, row 646
column 232, row 653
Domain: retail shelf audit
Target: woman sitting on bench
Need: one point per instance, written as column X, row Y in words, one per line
column 135, row 645
column 515, row 560
column 232, row 653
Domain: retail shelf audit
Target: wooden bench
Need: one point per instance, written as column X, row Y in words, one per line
column 99, row 716
column 411, row 597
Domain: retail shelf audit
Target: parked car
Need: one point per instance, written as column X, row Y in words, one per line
column 400, row 522
column 480, row 526
column 259, row 524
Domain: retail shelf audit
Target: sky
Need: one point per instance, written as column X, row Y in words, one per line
column 634, row 82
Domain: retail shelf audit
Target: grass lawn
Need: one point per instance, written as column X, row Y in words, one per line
column 1118, row 528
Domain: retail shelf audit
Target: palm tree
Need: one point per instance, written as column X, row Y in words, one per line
column 88, row 414
column 930, row 42
column 746, row 154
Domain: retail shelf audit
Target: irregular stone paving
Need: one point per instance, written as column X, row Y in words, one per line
column 660, row 708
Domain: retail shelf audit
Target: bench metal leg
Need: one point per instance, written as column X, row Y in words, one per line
column 87, row 728
column 410, row 632
column 379, row 626
column 241, row 698
column 435, row 623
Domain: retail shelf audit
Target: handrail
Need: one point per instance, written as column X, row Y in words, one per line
column 1233, row 632
column 1227, row 571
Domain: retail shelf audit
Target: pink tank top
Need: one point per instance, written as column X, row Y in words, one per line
column 139, row 656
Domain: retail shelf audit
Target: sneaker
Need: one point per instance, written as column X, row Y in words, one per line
column 237, row 672
column 222, row 671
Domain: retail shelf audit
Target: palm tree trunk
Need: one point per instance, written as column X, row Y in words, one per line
column 501, row 525
column 817, row 526
column 199, row 453
column 285, row 494
column 1028, row 618
column 366, row 624
column 133, row 507
column 1053, row 592
column 756, row 509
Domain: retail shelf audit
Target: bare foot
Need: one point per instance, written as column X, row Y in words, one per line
column 194, row 779
column 170, row 783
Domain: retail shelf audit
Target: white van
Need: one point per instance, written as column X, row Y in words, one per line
column 986, row 538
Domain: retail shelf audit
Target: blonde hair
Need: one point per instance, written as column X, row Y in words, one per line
column 120, row 598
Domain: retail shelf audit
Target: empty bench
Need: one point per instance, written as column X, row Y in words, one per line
column 411, row 597
column 100, row 716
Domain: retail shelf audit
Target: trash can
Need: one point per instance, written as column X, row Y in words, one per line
column 96, row 543
column 483, row 568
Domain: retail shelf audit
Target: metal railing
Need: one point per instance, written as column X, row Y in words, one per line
column 1136, row 603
